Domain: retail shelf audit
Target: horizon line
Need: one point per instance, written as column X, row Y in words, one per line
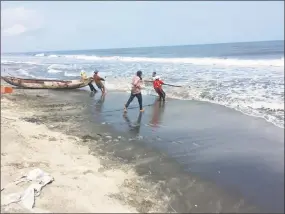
column 156, row 46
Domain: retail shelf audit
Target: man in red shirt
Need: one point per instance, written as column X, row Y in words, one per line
column 157, row 85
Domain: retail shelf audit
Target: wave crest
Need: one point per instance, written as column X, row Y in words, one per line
column 196, row 61
column 39, row 55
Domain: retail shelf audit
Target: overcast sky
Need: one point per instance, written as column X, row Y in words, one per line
column 72, row 25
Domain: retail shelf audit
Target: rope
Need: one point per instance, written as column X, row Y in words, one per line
column 108, row 111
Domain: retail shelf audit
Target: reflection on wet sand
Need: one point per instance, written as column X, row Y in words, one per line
column 158, row 110
column 134, row 128
column 92, row 94
column 99, row 103
column 243, row 157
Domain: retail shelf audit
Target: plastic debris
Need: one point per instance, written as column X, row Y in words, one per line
column 27, row 197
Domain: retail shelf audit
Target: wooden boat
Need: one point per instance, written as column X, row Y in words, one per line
column 45, row 83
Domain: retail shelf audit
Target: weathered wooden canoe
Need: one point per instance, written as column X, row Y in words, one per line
column 45, row 83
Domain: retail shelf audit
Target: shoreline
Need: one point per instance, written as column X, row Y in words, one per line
column 75, row 114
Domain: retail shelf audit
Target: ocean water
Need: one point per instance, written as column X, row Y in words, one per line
column 247, row 77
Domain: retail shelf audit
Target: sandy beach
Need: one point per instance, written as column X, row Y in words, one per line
column 158, row 161
column 83, row 180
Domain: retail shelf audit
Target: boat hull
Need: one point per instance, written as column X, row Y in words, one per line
column 45, row 83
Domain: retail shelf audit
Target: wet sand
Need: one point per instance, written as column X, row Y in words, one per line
column 241, row 154
column 189, row 156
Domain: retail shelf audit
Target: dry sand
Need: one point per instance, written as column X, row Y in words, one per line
column 79, row 185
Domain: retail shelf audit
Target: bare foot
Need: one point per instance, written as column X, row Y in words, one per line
column 125, row 109
column 142, row 110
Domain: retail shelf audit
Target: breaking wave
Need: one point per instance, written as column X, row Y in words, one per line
column 196, row 61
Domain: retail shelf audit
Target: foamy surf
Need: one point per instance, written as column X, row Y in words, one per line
column 271, row 110
column 40, row 54
column 53, row 71
column 67, row 74
column 196, row 61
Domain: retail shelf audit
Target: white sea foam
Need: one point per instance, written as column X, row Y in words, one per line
column 25, row 73
column 58, row 66
column 40, row 55
column 70, row 74
column 195, row 61
column 52, row 56
column 3, row 61
column 53, row 71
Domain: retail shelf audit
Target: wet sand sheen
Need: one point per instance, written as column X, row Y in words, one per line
column 240, row 153
column 201, row 190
